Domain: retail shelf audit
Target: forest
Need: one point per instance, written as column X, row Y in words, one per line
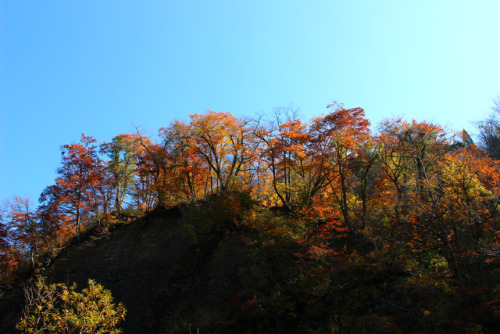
column 386, row 229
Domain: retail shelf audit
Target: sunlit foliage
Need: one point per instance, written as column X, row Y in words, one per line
column 57, row 308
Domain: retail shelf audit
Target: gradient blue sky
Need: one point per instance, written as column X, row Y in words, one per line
column 101, row 67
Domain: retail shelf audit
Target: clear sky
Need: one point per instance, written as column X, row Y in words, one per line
column 102, row 67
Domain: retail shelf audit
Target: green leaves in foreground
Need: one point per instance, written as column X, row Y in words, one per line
column 57, row 308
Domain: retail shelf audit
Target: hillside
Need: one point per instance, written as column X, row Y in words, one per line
column 167, row 275
column 175, row 269
column 197, row 266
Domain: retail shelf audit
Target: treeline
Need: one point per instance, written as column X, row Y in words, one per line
column 414, row 188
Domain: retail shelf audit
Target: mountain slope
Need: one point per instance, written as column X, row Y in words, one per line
column 203, row 266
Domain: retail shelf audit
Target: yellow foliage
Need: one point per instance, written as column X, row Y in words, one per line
column 57, row 308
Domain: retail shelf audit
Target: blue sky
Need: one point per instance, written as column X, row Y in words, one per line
column 103, row 67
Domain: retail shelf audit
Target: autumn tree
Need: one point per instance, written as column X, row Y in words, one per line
column 342, row 135
column 288, row 147
column 315, row 164
column 24, row 231
column 443, row 198
column 122, row 163
column 155, row 170
column 189, row 169
column 283, row 142
column 74, row 193
column 460, row 215
column 409, row 156
column 145, row 178
column 103, row 193
column 221, row 140
column 410, row 152
column 56, row 225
